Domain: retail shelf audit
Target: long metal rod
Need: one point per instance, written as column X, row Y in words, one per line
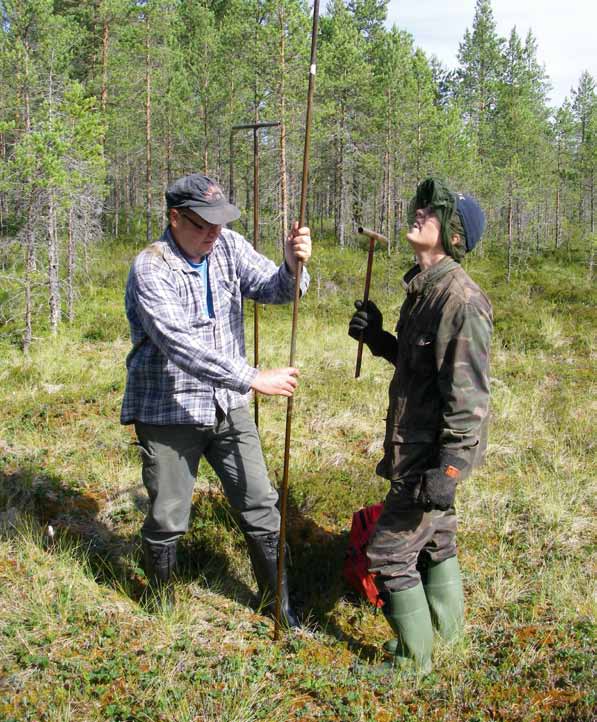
column 297, row 295
column 373, row 236
column 255, row 127
column 255, row 246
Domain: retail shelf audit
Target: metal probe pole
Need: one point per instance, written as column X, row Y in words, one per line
column 255, row 127
column 297, row 295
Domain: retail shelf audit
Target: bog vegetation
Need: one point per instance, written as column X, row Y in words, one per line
column 101, row 105
column 77, row 646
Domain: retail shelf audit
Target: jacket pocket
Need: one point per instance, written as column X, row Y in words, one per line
column 422, row 353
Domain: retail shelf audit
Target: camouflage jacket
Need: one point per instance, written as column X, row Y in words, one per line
column 439, row 395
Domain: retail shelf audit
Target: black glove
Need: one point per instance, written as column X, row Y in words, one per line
column 438, row 486
column 368, row 321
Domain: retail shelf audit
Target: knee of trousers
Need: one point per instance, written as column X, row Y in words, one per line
column 260, row 520
column 397, row 584
column 397, row 577
column 394, row 572
column 172, row 516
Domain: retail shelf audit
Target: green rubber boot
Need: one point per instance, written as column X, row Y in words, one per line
column 408, row 614
column 443, row 587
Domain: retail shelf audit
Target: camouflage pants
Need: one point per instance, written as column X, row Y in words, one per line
column 405, row 535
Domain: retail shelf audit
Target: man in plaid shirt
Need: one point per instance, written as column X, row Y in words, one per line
column 188, row 381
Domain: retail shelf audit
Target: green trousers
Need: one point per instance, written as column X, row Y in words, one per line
column 171, row 456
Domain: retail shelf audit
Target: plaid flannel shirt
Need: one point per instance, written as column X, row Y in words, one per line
column 183, row 363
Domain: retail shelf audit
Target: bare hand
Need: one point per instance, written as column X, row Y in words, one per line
column 276, row 382
column 297, row 246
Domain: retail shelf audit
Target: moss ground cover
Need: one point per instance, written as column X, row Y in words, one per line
column 75, row 644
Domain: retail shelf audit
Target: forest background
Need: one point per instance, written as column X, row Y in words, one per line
column 102, row 104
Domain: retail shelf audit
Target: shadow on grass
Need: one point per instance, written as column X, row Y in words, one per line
column 114, row 557
column 316, row 576
column 71, row 514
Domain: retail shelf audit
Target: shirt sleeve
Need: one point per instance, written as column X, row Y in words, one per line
column 261, row 279
column 462, row 356
column 164, row 319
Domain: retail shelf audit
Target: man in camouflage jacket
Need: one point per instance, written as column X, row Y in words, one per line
column 436, row 422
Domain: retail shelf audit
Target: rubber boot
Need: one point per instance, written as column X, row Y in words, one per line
column 263, row 551
column 407, row 613
column 443, row 587
column 159, row 561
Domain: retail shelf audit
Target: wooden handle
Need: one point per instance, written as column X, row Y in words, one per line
column 372, row 234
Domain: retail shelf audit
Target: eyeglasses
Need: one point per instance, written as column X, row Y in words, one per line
column 194, row 223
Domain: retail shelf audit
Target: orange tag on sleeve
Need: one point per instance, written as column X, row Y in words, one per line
column 452, row 472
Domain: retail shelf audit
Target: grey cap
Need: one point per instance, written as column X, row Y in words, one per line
column 203, row 196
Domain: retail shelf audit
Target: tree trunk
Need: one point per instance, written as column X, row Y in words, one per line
column 70, row 275
column 383, row 206
column 592, row 202
column 341, row 232
column 593, row 237
column 510, row 232
column 3, row 207
column 32, row 249
column 558, row 211
column 519, row 237
column 115, row 225
column 206, row 61
column 105, row 46
column 53, row 272
column 169, row 178
column 29, row 271
column 342, row 194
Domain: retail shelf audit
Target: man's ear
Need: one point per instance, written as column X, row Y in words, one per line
column 173, row 217
column 456, row 239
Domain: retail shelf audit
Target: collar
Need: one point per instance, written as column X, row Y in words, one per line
column 417, row 282
column 172, row 254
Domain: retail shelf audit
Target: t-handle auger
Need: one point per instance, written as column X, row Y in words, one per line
column 373, row 236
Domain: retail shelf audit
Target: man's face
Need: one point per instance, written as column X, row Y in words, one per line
column 425, row 232
column 195, row 236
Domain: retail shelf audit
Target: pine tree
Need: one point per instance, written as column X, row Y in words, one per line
column 479, row 74
column 564, row 147
column 584, row 104
column 521, row 133
column 342, row 89
column 369, row 15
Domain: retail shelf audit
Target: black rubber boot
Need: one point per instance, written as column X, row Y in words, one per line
column 159, row 561
column 263, row 551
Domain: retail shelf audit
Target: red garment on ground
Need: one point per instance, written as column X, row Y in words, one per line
column 355, row 570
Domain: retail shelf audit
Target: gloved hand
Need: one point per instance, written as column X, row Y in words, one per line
column 367, row 320
column 438, row 486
